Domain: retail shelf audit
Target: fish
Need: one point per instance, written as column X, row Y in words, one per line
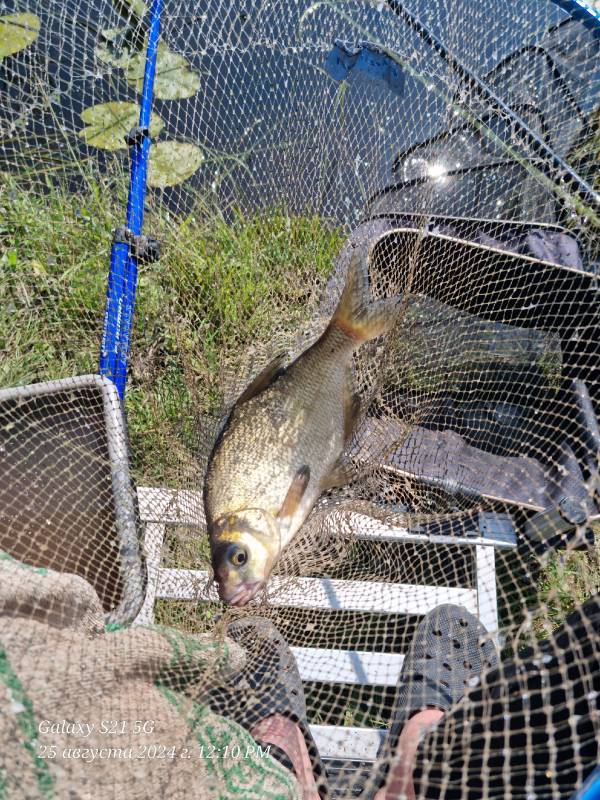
column 281, row 446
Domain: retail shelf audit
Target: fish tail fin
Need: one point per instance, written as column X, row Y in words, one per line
column 357, row 315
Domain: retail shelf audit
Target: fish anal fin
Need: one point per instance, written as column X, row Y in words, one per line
column 352, row 409
column 339, row 475
column 295, row 493
column 264, row 378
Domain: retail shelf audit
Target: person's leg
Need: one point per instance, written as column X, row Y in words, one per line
column 285, row 734
column 450, row 648
column 399, row 782
column 530, row 729
column 267, row 699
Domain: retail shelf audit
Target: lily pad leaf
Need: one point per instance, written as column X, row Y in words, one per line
column 107, row 124
column 172, row 163
column 119, row 45
column 17, row 31
column 174, row 79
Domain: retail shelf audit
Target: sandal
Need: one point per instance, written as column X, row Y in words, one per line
column 450, row 650
column 269, row 686
column 534, row 714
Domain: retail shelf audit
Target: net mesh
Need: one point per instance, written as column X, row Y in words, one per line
column 443, row 153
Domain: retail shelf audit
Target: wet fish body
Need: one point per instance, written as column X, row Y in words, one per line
column 280, row 447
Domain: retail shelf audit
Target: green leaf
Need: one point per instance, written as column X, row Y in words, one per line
column 172, row 163
column 173, row 81
column 17, row 31
column 114, row 48
column 107, row 124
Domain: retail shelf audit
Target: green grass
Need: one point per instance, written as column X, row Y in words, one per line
column 567, row 581
column 219, row 288
column 185, row 548
column 187, row 617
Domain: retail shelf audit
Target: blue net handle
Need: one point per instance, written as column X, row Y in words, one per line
column 122, row 279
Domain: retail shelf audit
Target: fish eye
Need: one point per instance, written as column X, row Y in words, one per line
column 237, row 556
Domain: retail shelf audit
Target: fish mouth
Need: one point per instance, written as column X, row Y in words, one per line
column 242, row 595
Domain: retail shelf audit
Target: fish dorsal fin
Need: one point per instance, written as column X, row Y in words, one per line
column 265, row 378
column 295, row 493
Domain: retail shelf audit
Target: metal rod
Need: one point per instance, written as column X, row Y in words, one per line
column 591, row 788
column 582, row 10
column 122, row 279
column 485, row 93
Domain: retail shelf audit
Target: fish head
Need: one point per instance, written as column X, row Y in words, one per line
column 244, row 548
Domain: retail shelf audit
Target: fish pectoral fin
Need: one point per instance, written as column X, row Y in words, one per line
column 265, row 378
column 295, row 493
column 339, row 475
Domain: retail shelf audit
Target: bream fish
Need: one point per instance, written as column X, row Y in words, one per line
column 280, row 447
